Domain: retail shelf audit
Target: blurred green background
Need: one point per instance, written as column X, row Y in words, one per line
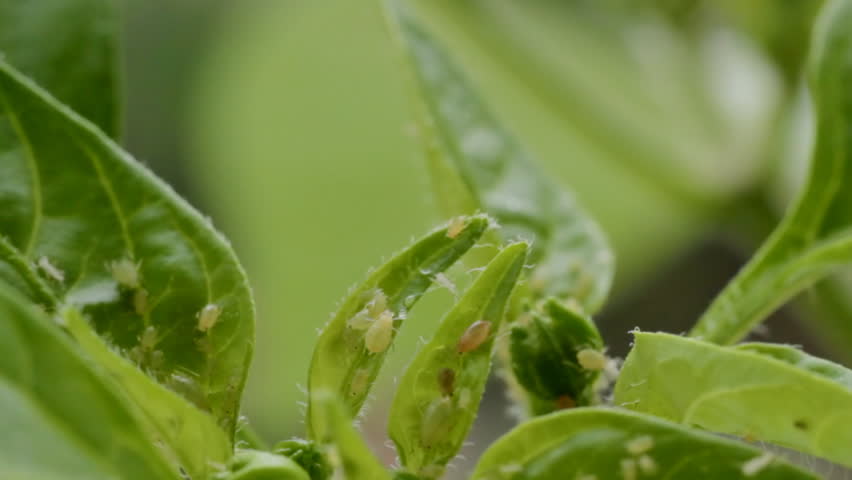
column 681, row 125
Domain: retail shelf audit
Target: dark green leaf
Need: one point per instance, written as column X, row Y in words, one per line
column 610, row 444
column 557, row 355
column 71, row 48
column 111, row 239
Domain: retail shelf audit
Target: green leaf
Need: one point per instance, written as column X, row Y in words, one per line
column 60, row 418
column 465, row 141
column 353, row 345
column 113, row 240
column 605, row 443
column 259, row 465
column 308, row 455
column 191, row 436
column 348, row 455
column 815, row 236
column 71, row 48
column 765, row 392
column 557, row 356
column 438, row 397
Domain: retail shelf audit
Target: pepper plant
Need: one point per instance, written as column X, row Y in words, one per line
column 127, row 323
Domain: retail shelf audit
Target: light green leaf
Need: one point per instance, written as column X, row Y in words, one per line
column 465, row 141
column 190, row 437
column 71, row 48
column 259, row 465
column 437, row 399
column 346, row 451
column 609, row 444
column 113, row 240
column 815, row 236
column 60, row 418
column 765, row 392
column 353, row 345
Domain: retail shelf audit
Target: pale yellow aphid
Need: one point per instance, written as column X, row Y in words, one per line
column 148, row 339
column 628, row 469
column 436, row 421
column 50, row 270
column 379, row 335
column 511, row 469
column 368, row 315
column 639, row 445
column 455, row 227
column 475, row 335
column 360, row 381
column 125, row 273
column 208, row 316
column 591, row 359
column 140, row 301
column 647, row 465
column 756, row 464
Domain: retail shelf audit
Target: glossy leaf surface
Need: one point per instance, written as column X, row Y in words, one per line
column 113, row 240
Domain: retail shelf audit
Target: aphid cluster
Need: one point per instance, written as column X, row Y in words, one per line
column 377, row 320
column 638, row 448
column 126, row 274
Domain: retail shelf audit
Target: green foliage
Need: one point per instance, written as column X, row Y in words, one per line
column 766, row 392
column 48, row 391
column 69, row 47
column 118, row 298
column 120, row 245
column 607, row 443
column 814, row 238
column 437, row 398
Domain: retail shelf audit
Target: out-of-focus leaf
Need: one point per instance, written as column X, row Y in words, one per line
column 69, row 47
column 113, row 240
column 766, row 392
column 814, row 238
column 437, row 399
column 464, row 141
column 190, row 436
column 59, row 417
column 607, row 443
column 348, row 454
column 353, row 345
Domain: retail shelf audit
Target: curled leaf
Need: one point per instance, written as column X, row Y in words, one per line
column 438, row 397
column 352, row 346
